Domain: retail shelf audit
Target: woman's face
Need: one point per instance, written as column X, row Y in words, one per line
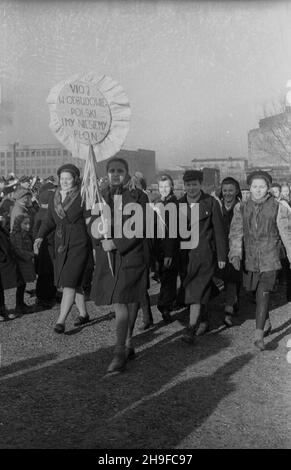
column 275, row 191
column 165, row 188
column 116, row 173
column 285, row 192
column 25, row 225
column 259, row 188
column 66, row 181
column 229, row 193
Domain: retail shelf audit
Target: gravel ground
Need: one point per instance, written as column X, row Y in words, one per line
column 218, row 393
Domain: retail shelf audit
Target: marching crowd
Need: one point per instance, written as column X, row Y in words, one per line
column 48, row 235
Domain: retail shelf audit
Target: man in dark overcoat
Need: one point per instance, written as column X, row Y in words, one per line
column 198, row 264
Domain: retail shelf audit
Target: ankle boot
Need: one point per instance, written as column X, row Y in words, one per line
column 118, row 362
column 262, row 310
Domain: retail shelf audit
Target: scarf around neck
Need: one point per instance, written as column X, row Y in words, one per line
column 62, row 207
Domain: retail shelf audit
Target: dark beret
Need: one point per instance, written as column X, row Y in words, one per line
column 193, row 175
column 259, row 174
column 70, row 168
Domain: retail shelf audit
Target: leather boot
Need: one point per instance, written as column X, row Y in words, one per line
column 262, row 310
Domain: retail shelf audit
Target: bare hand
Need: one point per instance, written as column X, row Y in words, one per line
column 221, row 264
column 108, row 245
column 235, row 261
column 36, row 245
column 167, row 262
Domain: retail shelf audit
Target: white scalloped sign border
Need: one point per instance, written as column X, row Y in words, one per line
column 120, row 113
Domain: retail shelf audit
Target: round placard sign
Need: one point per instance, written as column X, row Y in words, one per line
column 84, row 112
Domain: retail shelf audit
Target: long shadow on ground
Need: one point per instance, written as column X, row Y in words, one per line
column 71, row 404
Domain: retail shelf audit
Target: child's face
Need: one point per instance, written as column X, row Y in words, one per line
column 259, row 188
column 164, row 188
column 192, row 188
column 25, row 225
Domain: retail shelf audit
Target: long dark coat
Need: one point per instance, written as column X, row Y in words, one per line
column 198, row 265
column 8, row 268
column 44, row 266
column 167, row 247
column 72, row 244
column 130, row 262
column 23, row 248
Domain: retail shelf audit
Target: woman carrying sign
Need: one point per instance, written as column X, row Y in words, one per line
column 127, row 286
column 72, row 244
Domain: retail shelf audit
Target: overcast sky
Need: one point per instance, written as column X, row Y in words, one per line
column 197, row 74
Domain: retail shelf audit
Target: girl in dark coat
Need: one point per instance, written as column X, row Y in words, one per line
column 66, row 217
column 230, row 195
column 167, row 249
column 22, row 243
column 127, row 286
column 9, row 274
column 201, row 261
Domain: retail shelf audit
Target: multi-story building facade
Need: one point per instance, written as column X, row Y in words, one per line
column 44, row 160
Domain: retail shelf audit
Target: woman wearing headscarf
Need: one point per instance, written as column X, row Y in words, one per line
column 72, row 244
column 125, row 286
column 230, row 195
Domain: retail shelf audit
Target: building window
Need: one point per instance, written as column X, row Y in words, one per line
column 43, row 153
column 65, row 152
column 9, row 154
column 38, row 153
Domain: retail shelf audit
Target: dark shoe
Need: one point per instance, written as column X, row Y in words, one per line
column 82, row 320
column 59, row 328
column 130, row 353
column 228, row 320
column 3, row 314
column 202, row 328
column 43, row 305
column 117, row 364
column 189, row 335
column 146, row 326
column 259, row 343
column 23, row 309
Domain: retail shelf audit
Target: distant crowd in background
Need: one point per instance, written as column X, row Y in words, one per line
column 47, row 236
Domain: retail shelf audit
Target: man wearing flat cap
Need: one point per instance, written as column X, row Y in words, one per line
column 199, row 264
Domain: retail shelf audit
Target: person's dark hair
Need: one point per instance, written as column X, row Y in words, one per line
column 166, row 177
column 18, row 221
column 117, row 159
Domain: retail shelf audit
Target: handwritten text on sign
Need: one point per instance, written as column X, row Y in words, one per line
column 84, row 112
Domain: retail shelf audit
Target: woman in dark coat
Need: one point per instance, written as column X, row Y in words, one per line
column 45, row 289
column 9, row 274
column 230, row 195
column 167, row 248
column 201, row 261
column 127, row 286
column 66, row 217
